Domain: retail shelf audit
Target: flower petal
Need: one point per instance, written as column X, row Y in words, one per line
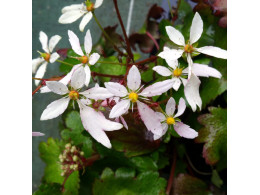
column 107, row 125
column 93, row 58
column 181, row 107
column 161, row 70
column 133, row 78
column 119, row 109
column 161, row 116
column 184, row 81
column 191, row 91
column 170, row 54
column 78, row 78
column 185, row 131
column 55, row 109
column 176, row 83
column 196, row 28
column 73, row 7
column 57, row 87
column 88, row 42
column 123, row 121
column 40, row 72
column 98, row 3
column 190, row 63
column 37, row 134
column 97, row 93
column 172, row 63
column 157, row 88
column 35, row 63
column 88, row 75
column 85, row 20
column 150, row 118
column 54, row 57
column 117, row 89
column 164, row 130
column 202, row 70
column 70, row 16
column 170, row 107
column 175, row 35
column 75, row 44
column 213, row 51
column 44, row 41
column 53, row 42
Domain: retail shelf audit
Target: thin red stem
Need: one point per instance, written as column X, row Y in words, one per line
column 171, row 178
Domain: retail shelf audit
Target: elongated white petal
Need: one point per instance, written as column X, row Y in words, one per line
column 37, row 134
column 181, row 107
column 162, row 71
column 123, row 121
column 53, row 42
column 119, row 109
column 185, row 131
column 172, row 63
column 196, row 28
column 40, row 72
column 72, row 7
column 175, row 35
column 164, row 130
column 176, row 83
column 86, row 101
column 157, row 88
column 150, row 118
column 133, row 78
column 202, row 70
column 57, row 87
column 191, row 91
column 78, row 78
column 85, row 20
column 75, row 44
column 106, row 124
column 88, row 42
column 190, row 63
column 35, row 63
column 54, row 57
column 88, row 75
column 170, row 107
column 170, row 54
column 70, row 16
column 89, row 118
column 98, row 3
column 44, row 41
column 55, row 109
column 161, row 116
column 93, row 58
column 213, row 51
column 116, row 88
column 184, row 81
column 97, row 93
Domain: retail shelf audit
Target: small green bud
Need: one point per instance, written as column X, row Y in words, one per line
column 68, row 145
column 62, row 174
column 75, row 158
column 81, row 153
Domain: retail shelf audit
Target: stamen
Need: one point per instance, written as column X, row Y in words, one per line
column 74, row 95
column 170, row 120
column 133, row 97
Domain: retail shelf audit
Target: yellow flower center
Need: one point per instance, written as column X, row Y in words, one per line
column 74, row 95
column 46, row 56
column 83, row 59
column 177, row 72
column 170, row 120
column 90, row 6
column 133, row 96
column 188, row 48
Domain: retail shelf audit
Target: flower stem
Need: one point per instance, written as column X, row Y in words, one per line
column 129, row 51
column 106, row 35
column 64, row 63
column 170, row 181
column 118, row 63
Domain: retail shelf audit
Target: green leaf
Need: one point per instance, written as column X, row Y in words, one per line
column 47, row 189
column 214, row 135
column 123, row 182
column 49, row 153
column 188, row 185
column 73, row 121
column 144, row 163
column 215, row 179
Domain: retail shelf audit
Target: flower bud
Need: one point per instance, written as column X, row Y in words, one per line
column 81, row 153
column 75, row 158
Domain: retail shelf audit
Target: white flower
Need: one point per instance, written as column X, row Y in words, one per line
column 169, row 118
column 131, row 95
column 37, row 134
column 93, row 121
column 188, row 47
column 86, row 59
column 73, row 12
column 191, row 86
column 46, row 57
